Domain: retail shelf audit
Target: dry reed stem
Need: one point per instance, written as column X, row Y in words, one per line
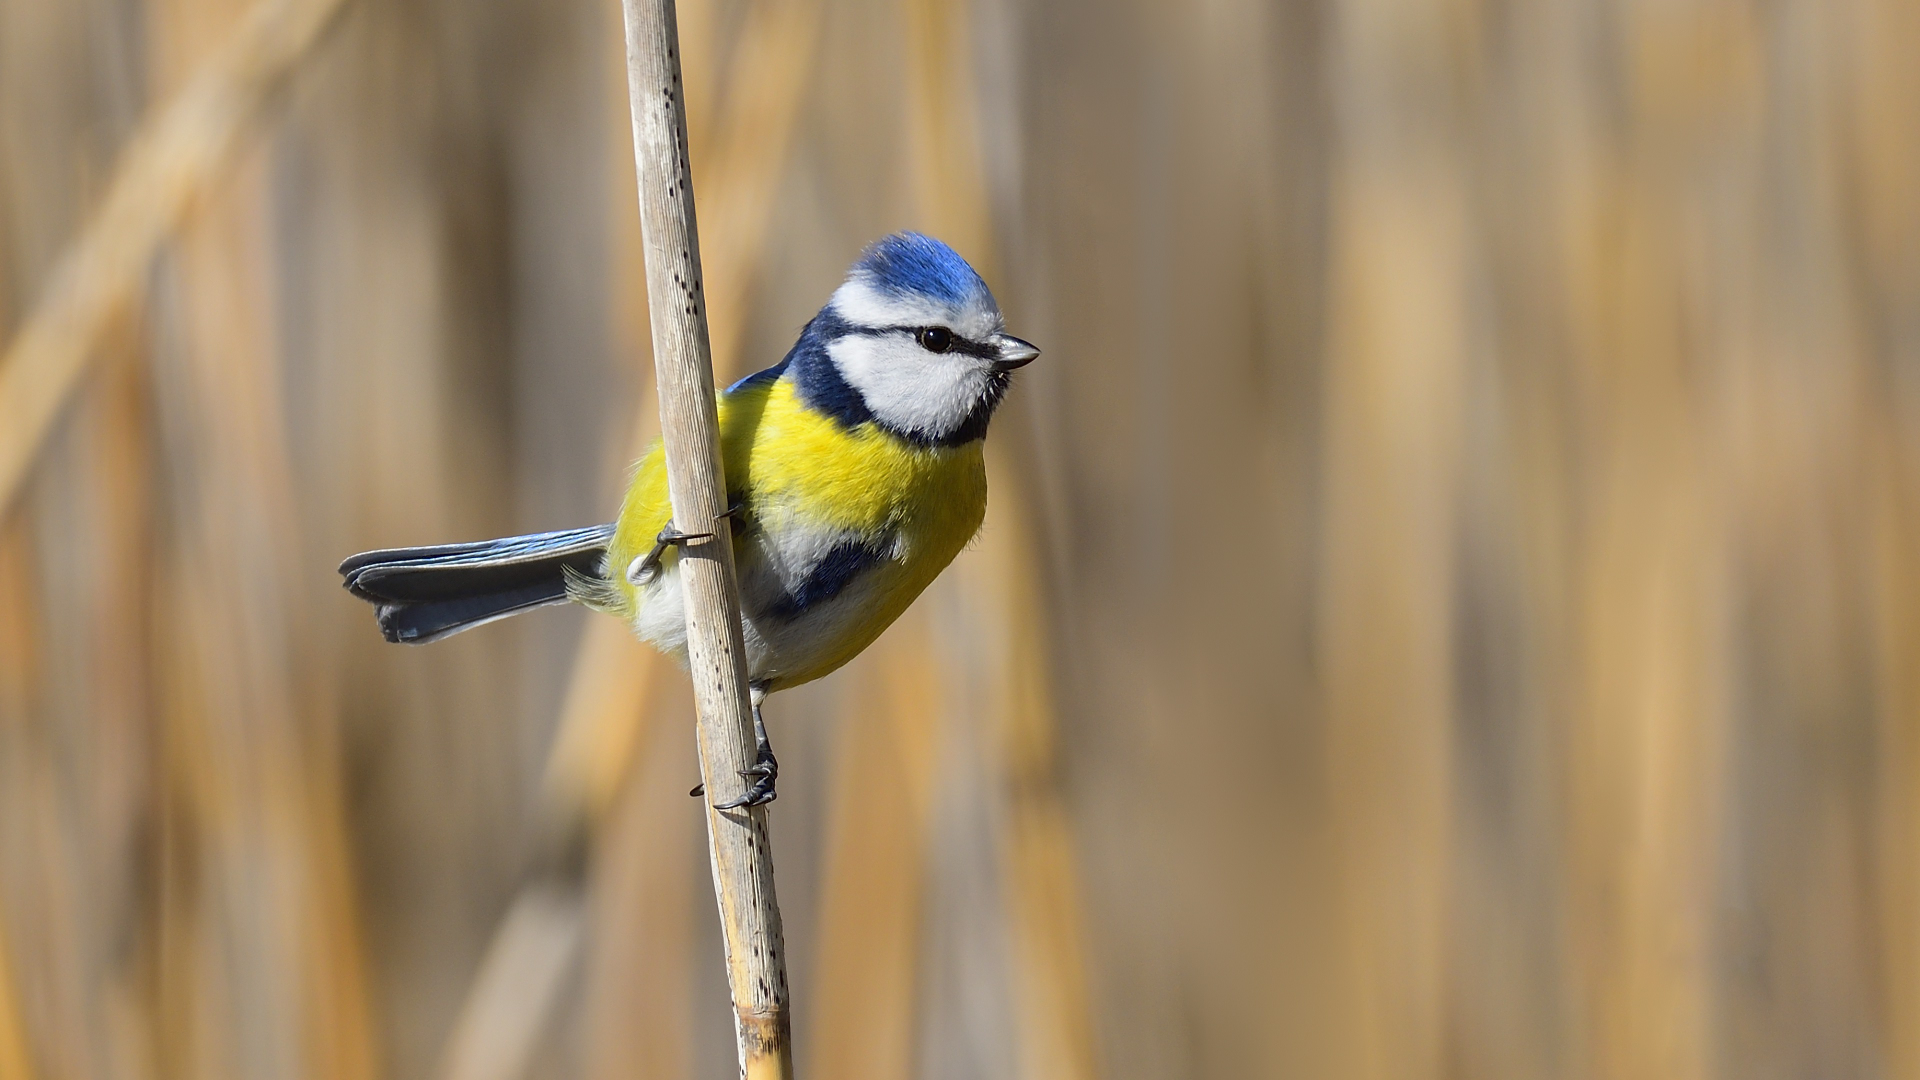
column 517, row 985
column 1042, row 866
column 716, row 650
column 100, row 764
column 273, row 970
column 871, row 940
column 752, row 139
column 606, row 715
column 866, row 993
column 639, row 1012
column 1388, row 677
column 77, row 756
column 1397, row 362
column 1643, row 755
column 1648, row 773
column 947, row 172
column 46, row 1008
column 78, row 751
column 275, row 979
column 166, row 166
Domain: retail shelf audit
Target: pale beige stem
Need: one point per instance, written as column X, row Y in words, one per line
column 606, row 719
column 602, row 719
column 716, row 651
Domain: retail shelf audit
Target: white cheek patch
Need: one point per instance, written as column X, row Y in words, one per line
column 909, row 388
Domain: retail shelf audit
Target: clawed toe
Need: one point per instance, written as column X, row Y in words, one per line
column 759, row 794
column 644, row 569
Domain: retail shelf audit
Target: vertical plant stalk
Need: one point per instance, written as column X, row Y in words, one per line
column 716, row 651
column 605, row 710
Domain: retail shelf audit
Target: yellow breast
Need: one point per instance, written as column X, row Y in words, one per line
column 796, row 469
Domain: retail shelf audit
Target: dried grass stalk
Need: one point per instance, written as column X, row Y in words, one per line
column 740, row 848
column 605, row 721
column 866, row 995
column 606, row 700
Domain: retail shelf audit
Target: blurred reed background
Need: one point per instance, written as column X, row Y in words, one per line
column 1450, row 605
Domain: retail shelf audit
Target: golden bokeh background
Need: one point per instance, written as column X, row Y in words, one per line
column 1450, row 605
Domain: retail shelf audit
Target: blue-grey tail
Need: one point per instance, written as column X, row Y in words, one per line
column 427, row 593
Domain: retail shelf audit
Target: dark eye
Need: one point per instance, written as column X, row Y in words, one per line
column 935, row 338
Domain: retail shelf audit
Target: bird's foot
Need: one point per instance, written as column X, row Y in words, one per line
column 644, row 569
column 764, row 773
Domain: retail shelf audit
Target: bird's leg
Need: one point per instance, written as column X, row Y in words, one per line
column 644, row 569
column 764, row 771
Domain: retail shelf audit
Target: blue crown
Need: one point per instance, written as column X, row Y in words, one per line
column 910, row 264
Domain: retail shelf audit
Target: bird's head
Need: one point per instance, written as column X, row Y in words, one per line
column 914, row 341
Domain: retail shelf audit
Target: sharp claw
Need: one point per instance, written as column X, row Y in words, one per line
column 753, row 797
column 761, row 791
column 698, row 790
column 644, row 569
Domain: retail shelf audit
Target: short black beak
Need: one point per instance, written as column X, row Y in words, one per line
column 1014, row 353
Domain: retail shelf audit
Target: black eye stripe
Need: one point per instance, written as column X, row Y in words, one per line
column 958, row 345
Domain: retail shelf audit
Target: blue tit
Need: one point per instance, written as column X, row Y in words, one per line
column 854, row 473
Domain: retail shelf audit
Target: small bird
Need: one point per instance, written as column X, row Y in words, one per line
column 854, row 473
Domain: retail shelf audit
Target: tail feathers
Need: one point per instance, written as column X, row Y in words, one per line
column 427, row 593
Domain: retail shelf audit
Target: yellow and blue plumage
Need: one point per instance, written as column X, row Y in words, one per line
column 854, row 467
column 839, row 529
